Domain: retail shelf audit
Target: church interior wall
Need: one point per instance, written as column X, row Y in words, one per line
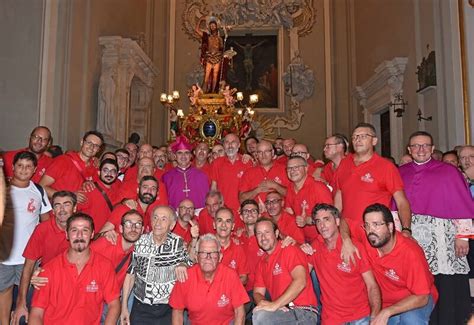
column 92, row 19
column 20, row 32
column 383, row 31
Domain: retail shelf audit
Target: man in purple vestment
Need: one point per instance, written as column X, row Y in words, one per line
column 442, row 209
column 185, row 181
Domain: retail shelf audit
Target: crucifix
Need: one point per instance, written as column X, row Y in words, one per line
column 186, row 189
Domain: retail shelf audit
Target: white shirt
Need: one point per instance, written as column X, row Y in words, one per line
column 26, row 205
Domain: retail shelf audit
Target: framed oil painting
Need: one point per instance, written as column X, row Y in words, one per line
column 258, row 66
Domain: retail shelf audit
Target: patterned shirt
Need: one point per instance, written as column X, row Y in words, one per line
column 154, row 267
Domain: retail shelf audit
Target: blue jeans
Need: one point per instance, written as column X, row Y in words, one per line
column 293, row 317
column 360, row 321
column 106, row 308
column 418, row 316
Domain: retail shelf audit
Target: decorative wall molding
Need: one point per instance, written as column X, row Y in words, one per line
column 299, row 15
column 378, row 92
column 125, row 90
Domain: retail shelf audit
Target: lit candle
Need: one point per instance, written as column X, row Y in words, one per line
column 240, row 96
column 170, row 99
column 176, row 94
column 180, row 113
column 253, row 99
column 239, row 111
column 163, row 97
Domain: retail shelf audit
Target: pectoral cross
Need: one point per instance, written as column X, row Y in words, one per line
column 186, row 190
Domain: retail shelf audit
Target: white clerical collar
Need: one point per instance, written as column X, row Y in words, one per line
column 423, row 163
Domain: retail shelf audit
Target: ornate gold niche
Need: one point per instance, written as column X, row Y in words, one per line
column 211, row 119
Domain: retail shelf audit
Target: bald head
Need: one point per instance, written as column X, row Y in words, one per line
column 300, row 150
column 146, row 167
column 146, row 150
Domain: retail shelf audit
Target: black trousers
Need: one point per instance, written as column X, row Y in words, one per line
column 143, row 314
column 454, row 303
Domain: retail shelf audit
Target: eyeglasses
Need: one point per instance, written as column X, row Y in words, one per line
column 299, row 153
column 376, row 225
column 109, row 171
column 363, row 136
column 272, row 202
column 249, row 211
column 92, row 144
column 211, row 255
column 37, row 137
column 129, row 225
column 327, row 145
column 264, row 152
column 186, row 208
column 292, row 168
column 417, row 146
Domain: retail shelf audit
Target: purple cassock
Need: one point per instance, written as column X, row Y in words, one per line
column 437, row 189
column 190, row 183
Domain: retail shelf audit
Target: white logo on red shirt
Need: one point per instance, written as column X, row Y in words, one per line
column 277, row 269
column 344, row 267
column 304, row 205
column 223, row 301
column 277, row 179
column 41, row 172
column 367, row 178
column 391, row 274
column 233, row 264
column 31, row 206
column 239, row 174
column 92, row 287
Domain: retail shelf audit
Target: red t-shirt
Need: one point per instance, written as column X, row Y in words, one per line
column 183, row 233
column 131, row 174
column 312, row 193
column 253, row 176
column 328, row 174
column 206, row 169
column 287, row 226
column 374, row 181
column 283, row 159
column 120, row 209
column 228, row 177
column 115, row 254
column 235, row 258
column 97, row 207
column 46, row 242
column 206, row 223
column 129, row 190
column 274, row 274
column 402, row 272
column 209, row 302
column 72, row 298
column 43, row 163
column 254, row 253
column 69, row 176
column 342, row 285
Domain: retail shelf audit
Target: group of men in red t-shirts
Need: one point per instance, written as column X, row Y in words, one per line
column 273, row 213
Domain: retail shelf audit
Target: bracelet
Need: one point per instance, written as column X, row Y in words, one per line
column 407, row 229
